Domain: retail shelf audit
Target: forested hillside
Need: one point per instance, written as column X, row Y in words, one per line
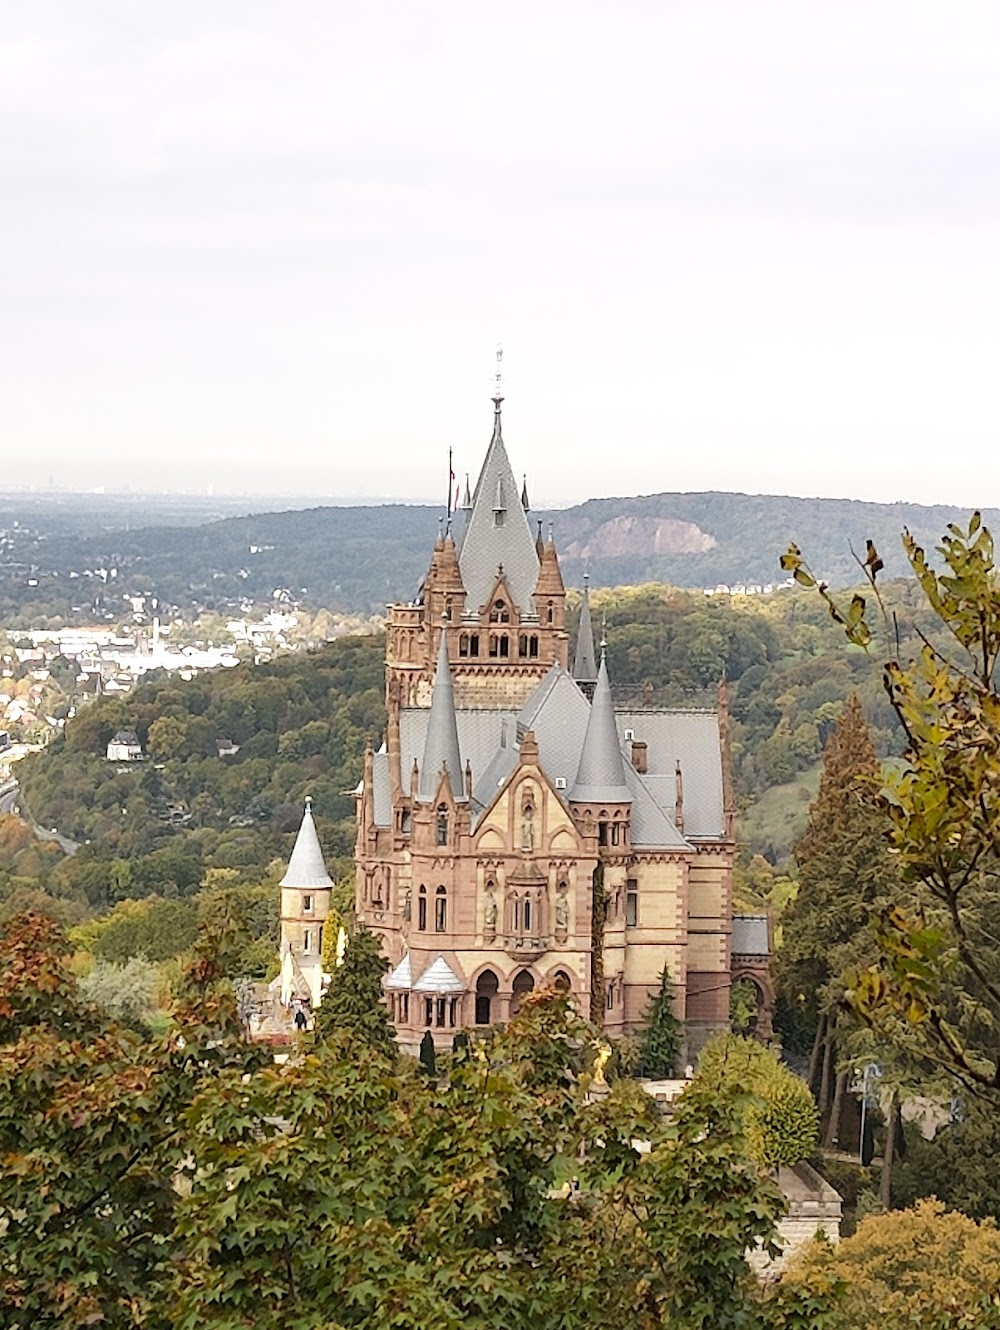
column 301, row 724
column 355, row 559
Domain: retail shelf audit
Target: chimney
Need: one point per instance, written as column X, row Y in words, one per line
column 679, row 800
column 639, row 757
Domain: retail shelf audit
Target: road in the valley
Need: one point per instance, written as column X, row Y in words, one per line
column 9, row 804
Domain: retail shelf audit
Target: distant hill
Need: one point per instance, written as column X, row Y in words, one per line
column 358, row 558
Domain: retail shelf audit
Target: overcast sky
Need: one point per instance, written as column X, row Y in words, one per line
column 727, row 244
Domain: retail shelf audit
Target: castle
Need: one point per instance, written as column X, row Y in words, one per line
column 516, row 828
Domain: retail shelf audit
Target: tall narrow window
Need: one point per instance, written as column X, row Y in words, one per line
column 307, row 904
column 504, row 646
column 440, row 1010
column 452, row 1008
column 494, row 646
column 522, row 645
column 442, row 825
column 463, row 644
column 526, row 916
column 307, row 940
column 447, row 609
column 441, row 911
column 602, row 833
column 631, row 903
column 533, row 646
column 422, row 910
column 550, row 611
column 474, row 645
column 428, row 1011
column 404, row 1007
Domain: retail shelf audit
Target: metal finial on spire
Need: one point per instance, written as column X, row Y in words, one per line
column 309, row 803
column 498, row 395
column 604, row 631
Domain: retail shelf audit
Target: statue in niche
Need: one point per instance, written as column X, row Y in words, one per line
column 527, row 828
column 406, row 907
column 490, row 912
column 562, row 910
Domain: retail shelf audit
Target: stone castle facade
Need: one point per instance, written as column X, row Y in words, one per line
column 516, row 829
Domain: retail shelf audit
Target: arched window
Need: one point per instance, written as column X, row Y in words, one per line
column 494, row 646
column 463, row 644
column 474, row 645
column 499, row 613
column 486, row 990
column 526, row 915
column 533, row 646
column 447, row 609
column 561, row 982
column 442, row 824
column 522, row 986
column 522, row 645
column 550, row 612
column 422, row 910
column 441, row 910
column 504, row 645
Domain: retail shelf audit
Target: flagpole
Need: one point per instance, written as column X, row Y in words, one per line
column 450, row 474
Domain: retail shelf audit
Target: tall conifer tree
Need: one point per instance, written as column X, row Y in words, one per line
column 354, row 1003
column 661, row 1039
column 845, row 870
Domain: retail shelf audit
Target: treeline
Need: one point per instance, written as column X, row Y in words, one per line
column 356, row 559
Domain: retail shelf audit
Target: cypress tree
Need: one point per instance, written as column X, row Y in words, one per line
column 428, row 1059
column 353, row 1003
column 845, row 871
column 844, row 863
column 661, row 1040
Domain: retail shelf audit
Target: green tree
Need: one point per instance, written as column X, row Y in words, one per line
column 436, row 1203
column 661, row 1039
column 92, row 1137
column 846, row 871
column 125, row 993
column 919, row 1269
column 354, row 1003
column 780, row 1118
column 933, row 990
column 167, row 737
column 428, row 1060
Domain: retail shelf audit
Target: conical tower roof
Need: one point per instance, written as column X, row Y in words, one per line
column 600, row 777
column 585, row 660
column 441, row 742
column 497, row 532
column 306, row 867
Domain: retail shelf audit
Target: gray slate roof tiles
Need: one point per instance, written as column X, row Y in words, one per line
column 441, row 747
column 306, row 867
column 486, row 545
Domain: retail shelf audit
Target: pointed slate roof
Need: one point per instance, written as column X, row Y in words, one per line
column 441, row 742
column 306, row 867
column 585, row 660
column 600, row 777
column 402, row 975
column 497, row 533
column 439, row 977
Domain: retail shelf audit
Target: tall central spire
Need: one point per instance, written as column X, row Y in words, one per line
column 497, row 532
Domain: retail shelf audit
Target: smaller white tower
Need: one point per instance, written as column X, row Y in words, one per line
column 305, row 903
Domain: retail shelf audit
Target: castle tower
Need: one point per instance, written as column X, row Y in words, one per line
column 305, row 903
column 496, row 593
column 600, row 794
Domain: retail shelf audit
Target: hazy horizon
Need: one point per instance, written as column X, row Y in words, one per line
column 746, row 248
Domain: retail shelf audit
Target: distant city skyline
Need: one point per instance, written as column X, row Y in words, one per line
column 270, row 250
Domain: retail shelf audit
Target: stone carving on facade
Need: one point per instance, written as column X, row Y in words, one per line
column 562, row 914
column 490, row 914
